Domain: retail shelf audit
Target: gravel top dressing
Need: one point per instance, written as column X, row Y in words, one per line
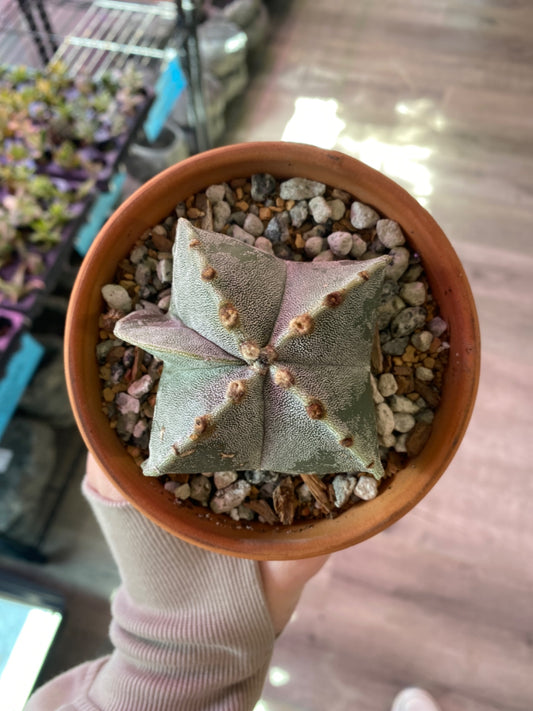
column 297, row 220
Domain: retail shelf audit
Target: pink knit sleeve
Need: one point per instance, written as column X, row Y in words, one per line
column 191, row 629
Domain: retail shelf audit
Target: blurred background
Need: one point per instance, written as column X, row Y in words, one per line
column 438, row 96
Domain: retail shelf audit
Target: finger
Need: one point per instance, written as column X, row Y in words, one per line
column 100, row 482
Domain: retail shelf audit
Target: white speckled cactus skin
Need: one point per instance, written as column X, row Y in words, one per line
column 266, row 362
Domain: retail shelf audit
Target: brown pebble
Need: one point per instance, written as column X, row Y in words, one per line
column 161, row 242
column 431, row 396
column 242, row 205
column 194, row 213
column 417, row 438
column 108, row 394
column 265, row 213
column 299, row 241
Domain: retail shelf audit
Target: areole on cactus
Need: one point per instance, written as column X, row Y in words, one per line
column 266, row 361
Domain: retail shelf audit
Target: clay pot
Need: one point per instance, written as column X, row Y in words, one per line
column 153, row 202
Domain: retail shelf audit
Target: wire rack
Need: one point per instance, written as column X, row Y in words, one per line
column 94, row 36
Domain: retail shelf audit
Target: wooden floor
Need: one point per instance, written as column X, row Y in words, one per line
column 438, row 95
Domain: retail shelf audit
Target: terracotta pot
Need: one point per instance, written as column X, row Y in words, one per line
column 153, row 202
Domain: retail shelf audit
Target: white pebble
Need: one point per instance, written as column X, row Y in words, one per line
column 221, row 214
column 376, row 394
column 264, row 244
column 326, row 256
column 300, row 189
column 400, row 403
column 437, row 326
column 223, row 479
column 390, row 233
column 343, row 487
column 116, row 297
column 362, row 216
column 320, row 210
column 243, row 236
column 230, row 497
column 424, row 374
column 215, row 193
column 403, row 422
column 313, row 246
column 401, row 443
column 340, row 243
column 338, row 208
column 182, row 492
column 141, row 387
column 422, row 340
column 384, row 419
column 387, row 440
column 399, row 263
column 387, row 384
column 253, row 225
column 358, row 246
column 366, row 488
column 413, row 293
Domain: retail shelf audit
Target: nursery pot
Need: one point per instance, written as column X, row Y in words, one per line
column 149, row 205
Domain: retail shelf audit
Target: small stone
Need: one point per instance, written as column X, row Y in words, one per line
column 138, row 254
column 417, row 438
column 301, row 189
column 414, row 293
column 377, row 396
column 388, row 310
column 390, row 233
column 221, row 215
column 314, row 246
column 366, row 488
column 341, row 195
column 141, row 387
column 140, row 429
column 164, row 302
column 215, row 193
column 200, row 489
column 362, row 216
column 223, row 479
column 245, row 514
column 358, row 246
column 253, row 225
column 116, row 297
column 403, row 422
column 275, row 231
column 182, row 492
column 338, row 208
column 320, row 210
column 340, row 243
column 396, row 346
column 230, row 497
column 237, row 218
column 299, row 213
column 400, row 403
column 326, row 256
column 264, row 244
column 400, row 445
column 426, row 416
column 243, row 236
column 413, row 273
column 127, row 403
column 399, row 263
column 437, row 326
column 343, row 486
column 263, row 185
column 303, row 492
column 384, row 419
column 387, row 384
column 164, row 271
column 407, row 321
column 387, row 441
column 422, row 340
column 424, row 374
column 126, row 422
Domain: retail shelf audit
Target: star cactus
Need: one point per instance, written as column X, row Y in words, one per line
column 266, row 362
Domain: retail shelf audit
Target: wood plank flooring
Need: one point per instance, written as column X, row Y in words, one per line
column 439, row 95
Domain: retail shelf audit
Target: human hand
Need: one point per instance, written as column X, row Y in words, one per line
column 283, row 581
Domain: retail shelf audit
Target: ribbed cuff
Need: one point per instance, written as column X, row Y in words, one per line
column 191, row 628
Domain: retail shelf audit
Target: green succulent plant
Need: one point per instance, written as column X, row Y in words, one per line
column 266, row 362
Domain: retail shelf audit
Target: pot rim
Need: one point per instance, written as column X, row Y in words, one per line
column 449, row 285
